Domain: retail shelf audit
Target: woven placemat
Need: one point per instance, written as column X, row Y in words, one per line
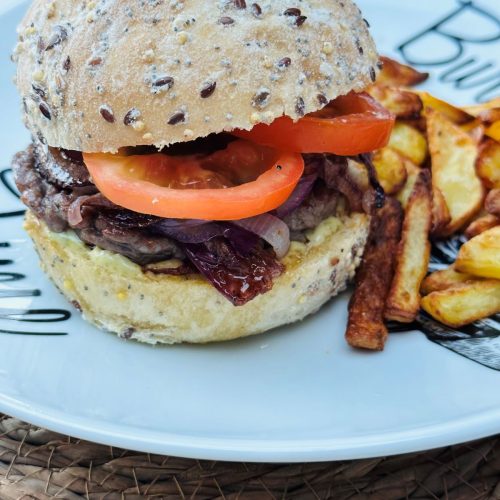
column 40, row 464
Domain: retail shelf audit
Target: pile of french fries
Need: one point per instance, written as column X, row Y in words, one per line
column 442, row 165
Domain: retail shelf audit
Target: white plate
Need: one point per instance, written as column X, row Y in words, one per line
column 293, row 395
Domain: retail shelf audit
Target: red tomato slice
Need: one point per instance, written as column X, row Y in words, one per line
column 240, row 181
column 349, row 125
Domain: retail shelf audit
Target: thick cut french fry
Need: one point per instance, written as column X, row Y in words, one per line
column 488, row 163
column 493, row 131
column 476, row 131
column 440, row 213
column 404, row 104
column 480, row 256
column 484, row 107
column 441, row 280
column 481, row 224
column 391, row 170
column 412, row 171
column 412, row 261
column 409, row 142
column 365, row 327
column 453, row 157
column 397, row 74
column 492, row 203
column 464, row 303
column 454, row 114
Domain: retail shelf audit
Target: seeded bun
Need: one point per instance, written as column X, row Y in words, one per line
column 99, row 75
column 114, row 294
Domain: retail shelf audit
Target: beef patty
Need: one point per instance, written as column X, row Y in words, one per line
column 56, row 186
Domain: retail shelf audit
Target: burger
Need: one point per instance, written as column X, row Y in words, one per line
column 199, row 170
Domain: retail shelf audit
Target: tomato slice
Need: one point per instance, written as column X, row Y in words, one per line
column 241, row 181
column 349, row 125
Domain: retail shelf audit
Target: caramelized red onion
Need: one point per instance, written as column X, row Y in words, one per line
column 271, row 229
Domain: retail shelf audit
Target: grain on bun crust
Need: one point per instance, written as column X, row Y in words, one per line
column 114, row 294
column 102, row 74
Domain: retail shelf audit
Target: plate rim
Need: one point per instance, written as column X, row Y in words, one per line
column 427, row 437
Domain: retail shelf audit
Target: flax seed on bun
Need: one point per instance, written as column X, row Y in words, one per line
column 103, row 74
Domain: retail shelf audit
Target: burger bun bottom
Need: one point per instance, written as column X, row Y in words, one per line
column 115, row 294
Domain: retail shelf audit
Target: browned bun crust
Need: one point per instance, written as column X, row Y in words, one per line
column 114, row 294
column 102, row 74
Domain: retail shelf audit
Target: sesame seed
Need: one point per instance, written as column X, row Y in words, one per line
column 51, row 11
column 299, row 21
column 256, row 10
column 226, row 21
column 182, row 37
column 327, row 48
column 300, row 106
column 176, row 118
column 163, row 81
column 39, row 90
column 261, row 99
column 45, row 110
column 208, row 90
column 95, row 61
column 107, row 113
column 240, row 4
column 132, row 116
column 373, row 75
column 293, row 11
column 367, row 23
column 60, row 34
column 38, row 75
column 284, row 63
column 67, row 64
column 322, row 99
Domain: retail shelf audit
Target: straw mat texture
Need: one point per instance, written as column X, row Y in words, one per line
column 39, row 464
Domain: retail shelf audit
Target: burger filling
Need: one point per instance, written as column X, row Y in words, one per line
column 224, row 206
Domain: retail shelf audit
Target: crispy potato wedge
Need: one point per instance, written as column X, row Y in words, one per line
column 365, row 326
column 412, row 172
column 480, row 256
column 453, row 159
column 475, row 130
column 456, row 115
column 481, row 224
column 404, row 104
column 490, row 115
column 464, row 303
column 492, row 203
column 358, row 173
column 391, row 170
column 408, row 141
column 397, row 74
column 484, row 107
column 441, row 217
column 441, row 280
column 412, row 261
column 488, row 163
column 493, row 131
